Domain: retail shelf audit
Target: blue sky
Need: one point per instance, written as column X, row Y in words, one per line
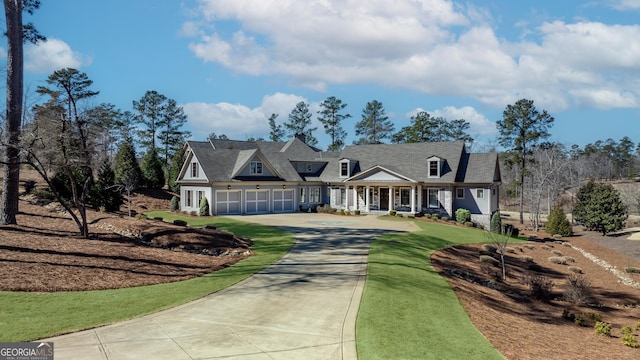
column 231, row 63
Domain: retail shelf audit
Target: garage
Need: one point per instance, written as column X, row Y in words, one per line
column 283, row 200
column 257, row 201
column 228, row 202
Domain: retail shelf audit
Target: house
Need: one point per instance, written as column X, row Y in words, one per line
column 247, row 177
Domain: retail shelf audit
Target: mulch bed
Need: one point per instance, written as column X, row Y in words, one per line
column 45, row 253
column 523, row 328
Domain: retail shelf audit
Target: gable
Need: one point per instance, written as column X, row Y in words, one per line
column 192, row 169
column 378, row 174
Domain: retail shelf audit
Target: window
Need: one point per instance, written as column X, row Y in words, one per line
column 480, row 193
column 303, row 195
column 432, row 195
column 405, row 196
column 460, row 193
column 256, row 168
column 314, row 194
column 343, row 196
column 344, row 169
column 187, row 198
column 434, row 169
column 194, row 169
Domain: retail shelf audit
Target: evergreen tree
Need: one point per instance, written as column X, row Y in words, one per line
column 174, row 170
column 599, row 208
column 171, row 135
column 557, row 223
column 105, row 193
column 299, row 123
column 276, row 132
column 175, row 204
column 496, row 222
column 375, row 125
column 521, row 127
column 126, row 165
column 331, row 119
column 152, row 171
column 204, row 207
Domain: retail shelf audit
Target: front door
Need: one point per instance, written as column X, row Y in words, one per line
column 384, row 199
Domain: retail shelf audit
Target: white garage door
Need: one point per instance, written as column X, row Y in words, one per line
column 257, row 202
column 283, row 200
column 227, row 202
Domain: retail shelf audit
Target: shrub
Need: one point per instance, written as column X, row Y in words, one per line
column 141, row 216
column 463, row 216
column 175, row 204
column 469, row 224
column 539, row 287
column 411, row 216
column 204, row 207
column 492, row 248
column 399, row 215
column 496, row 222
column 575, row 269
column 357, row 212
column 568, row 315
column 435, row 216
column 545, row 247
column 179, row 222
column 347, row 212
column 579, row 320
column 158, row 218
column 486, row 259
column 578, row 290
column 630, row 340
column 556, row 252
column 444, row 218
column 342, row 212
column 558, row 260
column 530, row 246
column 626, row 330
column 392, row 212
column 557, row 223
column 603, row 328
column 29, row 185
column 594, row 316
column 569, row 259
column 518, row 248
column 638, row 325
column 632, row 270
column 526, row 259
column 509, row 250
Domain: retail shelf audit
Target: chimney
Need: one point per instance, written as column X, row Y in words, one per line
column 302, row 137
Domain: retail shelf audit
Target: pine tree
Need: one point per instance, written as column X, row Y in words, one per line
column 204, row 207
column 105, row 193
column 375, row 125
column 152, row 171
column 299, row 123
column 331, row 120
column 276, row 132
column 599, row 208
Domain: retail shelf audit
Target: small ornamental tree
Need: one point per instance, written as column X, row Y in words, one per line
column 599, row 208
column 105, row 194
column 558, row 223
column 175, row 204
column 204, row 207
column 496, row 222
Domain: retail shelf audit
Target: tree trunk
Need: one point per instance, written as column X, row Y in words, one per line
column 11, row 179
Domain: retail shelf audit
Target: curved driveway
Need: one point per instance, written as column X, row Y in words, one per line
column 303, row 307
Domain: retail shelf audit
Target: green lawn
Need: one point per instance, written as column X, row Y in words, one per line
column 29, row 316
column 408, row 311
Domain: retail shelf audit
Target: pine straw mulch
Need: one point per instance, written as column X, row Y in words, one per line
column 522, row 328
column 45, row 253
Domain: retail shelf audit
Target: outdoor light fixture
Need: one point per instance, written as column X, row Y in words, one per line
column 284, row 186
column 228, row 187
column 257, row 186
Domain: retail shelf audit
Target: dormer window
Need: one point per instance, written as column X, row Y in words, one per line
column 433, row 167
column 345, row 170
column 255, row 168
column 194, row 169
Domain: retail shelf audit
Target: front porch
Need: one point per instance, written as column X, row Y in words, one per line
column 406, row 199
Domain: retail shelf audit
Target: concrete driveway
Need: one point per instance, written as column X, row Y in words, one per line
column 303, row 307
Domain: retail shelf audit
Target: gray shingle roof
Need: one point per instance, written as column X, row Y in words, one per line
column 220, row 159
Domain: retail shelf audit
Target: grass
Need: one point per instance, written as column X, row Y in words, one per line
column 408, row 311
column 28, row 316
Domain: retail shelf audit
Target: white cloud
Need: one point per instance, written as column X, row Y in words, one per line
column 438, row 47
column 626, row 4
column 238, row 121
column 52, row 55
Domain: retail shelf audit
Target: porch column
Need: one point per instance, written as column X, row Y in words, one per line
column 420, row 206
column 367, row 205
column 355, row 198
column 413, row 199
column 346, row 193
column 390, row 198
